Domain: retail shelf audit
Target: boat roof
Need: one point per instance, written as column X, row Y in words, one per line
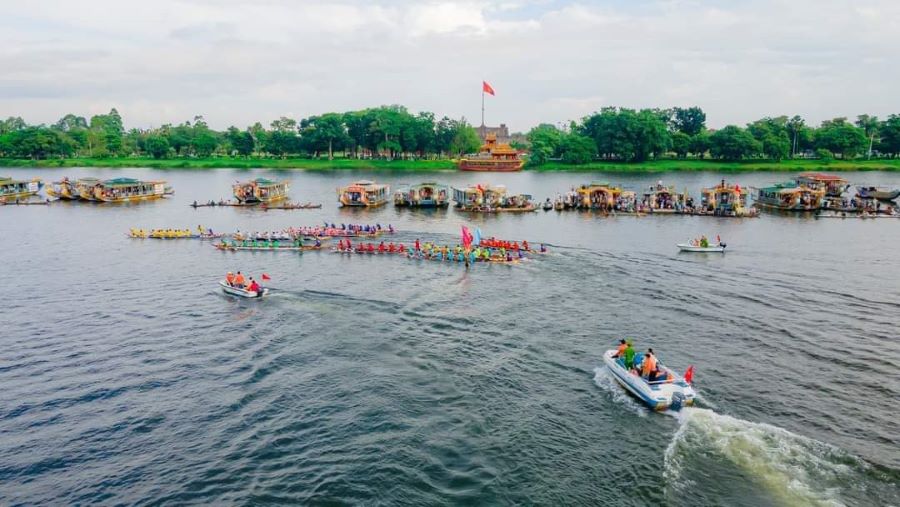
column 821, row 177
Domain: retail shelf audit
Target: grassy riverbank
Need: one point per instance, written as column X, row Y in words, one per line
column 449, row 165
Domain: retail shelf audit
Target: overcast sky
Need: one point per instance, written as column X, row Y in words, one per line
column 237, row 62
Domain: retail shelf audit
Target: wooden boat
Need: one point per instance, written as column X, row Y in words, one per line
column 672, row 392
column 725, row 200
column 597, row 196
column 84, row 187
column 834, row 186
column 363, row 193
column 664, row 199
column 790, row 197
column 11, row 189
column 687, row 247
column 121, row 190
column 265, row 248
column 237, row 291
column 260, row 190
column 423, row 195
column 493, row 156
column 64, row 189
column 880, row 193
column 16, row 202
column 485, row 198
column 289, row 206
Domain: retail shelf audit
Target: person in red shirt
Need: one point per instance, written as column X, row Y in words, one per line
column 254, row 287
column 371, row 248
column 417, row 245
column 381, row 247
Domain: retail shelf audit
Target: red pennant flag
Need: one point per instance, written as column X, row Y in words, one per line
column 265, row 277
column 689, row 375
column 466, row 237
column 486, row 88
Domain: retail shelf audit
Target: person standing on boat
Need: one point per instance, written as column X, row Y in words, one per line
column 648, row 368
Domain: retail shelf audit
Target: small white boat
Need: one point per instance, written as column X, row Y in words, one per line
column 670, row 393
column 237, row 291
column 687, row 247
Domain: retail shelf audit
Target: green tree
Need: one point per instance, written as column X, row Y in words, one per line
column 545, row 142
column 465, row 140
column 575, row 148
column 889, row 133
column 324, row 133
column 241, row 142
column 841, row 138
column 733, row 143
column 870, row 125
column 689, row 120
column 681, row 144
column 700, row 144
column 774, row 136
column 157, row 146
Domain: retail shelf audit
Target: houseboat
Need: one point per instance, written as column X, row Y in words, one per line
column 493, row 156
column 834, row 186
column 127, row 190
column 364, row 193
column 423, row 195
column 69, row 190
column 598, row 195
column 11, row 189
column 260, row 190
column 725, row 200
column 662, row 199
column 479, row 196
column 789, row 197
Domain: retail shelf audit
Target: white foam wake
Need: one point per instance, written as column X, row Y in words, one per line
column 604, row 380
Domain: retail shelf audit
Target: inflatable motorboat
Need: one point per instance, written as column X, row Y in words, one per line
column 237, row 291
column 671, row 392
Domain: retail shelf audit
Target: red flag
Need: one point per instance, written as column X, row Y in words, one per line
column 486, row 88
column 265, row 277
column 466, row 237
column 689, row 375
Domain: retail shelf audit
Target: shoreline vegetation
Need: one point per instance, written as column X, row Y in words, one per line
column 658, row 165
column 394, row 138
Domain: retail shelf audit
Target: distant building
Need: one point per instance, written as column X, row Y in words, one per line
column 502, row 133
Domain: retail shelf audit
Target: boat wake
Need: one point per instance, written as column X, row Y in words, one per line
column 604, row 380
column 776, row 466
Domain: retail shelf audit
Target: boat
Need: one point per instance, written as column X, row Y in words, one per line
column 128, row 190
column 725, row 200
column 289, row 206
column 260, row 190
column 687, row 247
column 16, row 189
column 237, row 291
column 547, row 206
column 834, row 186
column 672, row 393
column 880, row 193
column 598, row 196
column 493, row 157
column 484, row 198
column 84, row 187
column 363, row 193
column 663, row 199
column 265, row 247
column 423, row 195
column 789, row 197
column 65, row 189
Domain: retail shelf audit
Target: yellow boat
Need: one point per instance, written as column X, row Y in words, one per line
column 598, row 195
column 128, row 190
column 69, row 190
column 725, row 200
column 260, row 190
column 11, row 189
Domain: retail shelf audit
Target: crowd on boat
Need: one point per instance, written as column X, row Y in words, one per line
column 646, row 365
column 170, row 233
column 237, row 281
column 492, row 250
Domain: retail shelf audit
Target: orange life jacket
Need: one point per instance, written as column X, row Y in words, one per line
column 239, row 280
column 229, row 278
column 649, row 364
column 621, row 350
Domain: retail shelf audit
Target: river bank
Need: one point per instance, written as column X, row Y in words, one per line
column 666, row 165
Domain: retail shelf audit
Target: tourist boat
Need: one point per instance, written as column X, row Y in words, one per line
column 260, row 190
column 725, row 200
column 598, row 195
column 493, row 157
column 127, row 190
column 491, row 199
column 662, row 199
column 16, row 189
column 237, row 291
column 790, row 197
column 364, row 193
column 65, row 189
column 687, row 247
column 672, row 393
column 423, row 195
column 834, row 186
column 880, row 193
column 84, row 187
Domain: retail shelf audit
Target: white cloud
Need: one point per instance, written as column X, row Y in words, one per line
column 236, row 61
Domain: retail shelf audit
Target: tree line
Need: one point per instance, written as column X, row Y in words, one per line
column 388, row 131
column 635, row 136
column 392, row 132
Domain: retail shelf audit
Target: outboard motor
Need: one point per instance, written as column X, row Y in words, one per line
column 723, row 245
column 677, row 401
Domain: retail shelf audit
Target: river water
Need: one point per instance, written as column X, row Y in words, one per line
column 128, row 378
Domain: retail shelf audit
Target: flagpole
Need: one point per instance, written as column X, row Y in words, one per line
column 482, row 106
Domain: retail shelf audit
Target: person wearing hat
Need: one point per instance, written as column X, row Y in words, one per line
column 229, row 278
column 628, row 354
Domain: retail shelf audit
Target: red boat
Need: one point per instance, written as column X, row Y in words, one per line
column 493, row 156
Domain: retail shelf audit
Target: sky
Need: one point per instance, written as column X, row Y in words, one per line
column 550, row 61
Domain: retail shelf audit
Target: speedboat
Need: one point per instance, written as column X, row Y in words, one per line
column 687, row 247
column 672, row 392
column 237, row 291
column 880, row 193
